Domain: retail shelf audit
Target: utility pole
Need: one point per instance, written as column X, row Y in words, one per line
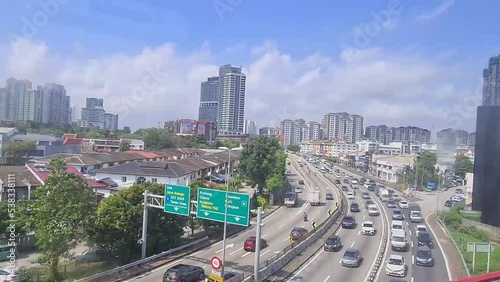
column 257, row 244
column 225, row 215
column 145, row 224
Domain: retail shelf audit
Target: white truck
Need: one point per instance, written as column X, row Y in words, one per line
column 290, row 199
column 383, row 194
column 315, row 197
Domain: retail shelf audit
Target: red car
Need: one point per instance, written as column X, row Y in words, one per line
column 249, row 245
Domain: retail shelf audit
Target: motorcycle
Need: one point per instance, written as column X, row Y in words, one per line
column 305, row 217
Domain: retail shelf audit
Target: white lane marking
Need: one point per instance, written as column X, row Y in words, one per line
column 340, row 261
column 441, row 248
column 246, row 254
column 318, row 212
column 292, row 217
column 412, row 259
column 281, row 225
column 359, row 232
column 204, row 266
column 302, row 209
column 410, row 232
column 218, row 251
column 265, row 252
column 412, row 244
column 326, row 279
column 264, row 236
column 412, row 279
column 287, row 239
column 236, row 251
column 197, row 253
column 364, row 216
column 353, row 244
column 305, row 266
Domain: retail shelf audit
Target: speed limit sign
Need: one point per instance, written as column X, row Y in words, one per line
column 216, row 263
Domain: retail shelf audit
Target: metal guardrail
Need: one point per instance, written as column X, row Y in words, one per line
column 116, row 270
column 456, row 246
column 380, row 255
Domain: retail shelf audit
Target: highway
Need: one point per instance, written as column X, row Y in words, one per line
column 438, row 273
column 276, row 230
column 326, row 266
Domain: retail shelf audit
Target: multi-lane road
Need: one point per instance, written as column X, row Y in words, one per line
column 276, row 230
column 325, row 266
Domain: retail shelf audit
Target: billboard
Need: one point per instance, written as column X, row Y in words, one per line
column 185, row 128
column 201, row 129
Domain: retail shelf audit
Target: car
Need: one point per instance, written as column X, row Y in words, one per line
column 415, row 216
column 397, row 225
column 349, row 222
column 184, row 272
column 365, row 195
column 459, row 191
column 350, row 195
column 391, row 204
column 420, row 228
column 456, row 198
column 397, row 214
column 448, row 203
column 338, row 176
column 355, row 207
column 396, row 198
column 9, row 275
column 333, row 244
column 345, row 188
column 249, row 244
column 425, row 239
column 371, row 188
column 368, row 228
column 301, row 182
column 403, row 204
column 396, row 266
column 337, row 181
column 298, row 234
column 420, row 189
column 337, row 171
column 373, row 210
column 297, row 190
column 227, row 276
column 424, row 256
column 352, row 258
column 368, row 203
column 346, row 181
column 329, row 196
column 288, row 171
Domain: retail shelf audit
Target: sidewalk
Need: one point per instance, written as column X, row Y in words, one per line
column 25, row 259
column 454, row 262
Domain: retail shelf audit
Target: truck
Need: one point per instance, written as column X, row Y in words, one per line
column 383, row 194
column 315, row 197
column 290, row 199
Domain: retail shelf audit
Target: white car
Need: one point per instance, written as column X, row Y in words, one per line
column 298, row 190
column 415, row 216
column 403, row 204
column 373, row 210
column 338, row 175
column 368, row 228
column 350, row 195
column 457, row 198
column 396, row 266
column 8, row 275
column 421, row 228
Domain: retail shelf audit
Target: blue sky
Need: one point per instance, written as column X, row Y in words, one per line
column 294, row 53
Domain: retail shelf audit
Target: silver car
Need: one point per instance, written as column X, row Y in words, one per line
column 352, row 258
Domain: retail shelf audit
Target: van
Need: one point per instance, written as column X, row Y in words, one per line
column 397, row 225
column 398, row 241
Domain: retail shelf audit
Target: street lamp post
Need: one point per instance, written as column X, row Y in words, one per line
column 225, row 212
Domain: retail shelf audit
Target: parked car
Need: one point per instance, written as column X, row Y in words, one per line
column 184, row 272
column 333, row 244
column 352, row 258
column 448, row 203
column 250, row 243
column 9, row 275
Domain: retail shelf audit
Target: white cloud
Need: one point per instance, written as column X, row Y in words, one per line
column 158, row 84
column 443, row 7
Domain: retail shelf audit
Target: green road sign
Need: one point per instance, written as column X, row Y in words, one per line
column 211, row 206
column 177, row 199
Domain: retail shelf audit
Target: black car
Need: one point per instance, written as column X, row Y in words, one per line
column 301, row 182
column 355, row 207
column 371, row 188
column 369, row 202
column 333, row 244
column 349, row 222
column 425, row 239
column 337, row 181
column 424, row 256
column 329, row 196
column 184, row 272
column 397, row 215
column 459, row 191
column 345, row 188
column 448, row 203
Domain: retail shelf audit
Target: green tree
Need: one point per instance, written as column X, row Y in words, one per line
column 462, row 165
column 293, row 148
column 64, row 206
column 193, row 221
column 118, row 226
column 18, row 149
column 124, row 146
column 261, row 160
column 425, row 168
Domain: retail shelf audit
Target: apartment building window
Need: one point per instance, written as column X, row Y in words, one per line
column 124, row 179
column 154, row 180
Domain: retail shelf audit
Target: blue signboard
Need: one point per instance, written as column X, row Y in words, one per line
column 431, row 186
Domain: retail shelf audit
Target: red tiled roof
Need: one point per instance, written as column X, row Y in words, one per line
column 146, row 154
column 42, row 176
